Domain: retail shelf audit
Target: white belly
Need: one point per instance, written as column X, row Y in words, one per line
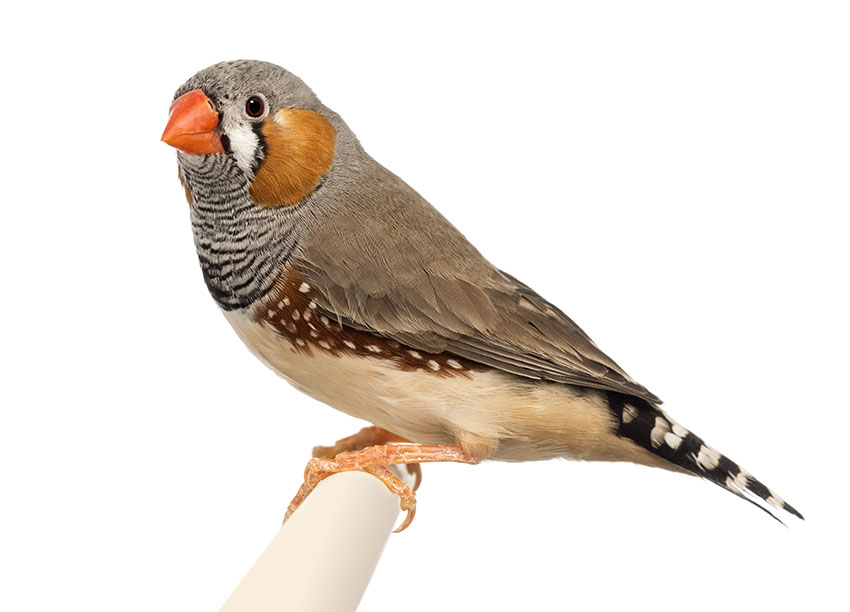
column 488, row 412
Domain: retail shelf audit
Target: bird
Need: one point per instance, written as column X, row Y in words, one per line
column 348, row 284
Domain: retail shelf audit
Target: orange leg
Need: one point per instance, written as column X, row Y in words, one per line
column 368, row 436
column 375, row 460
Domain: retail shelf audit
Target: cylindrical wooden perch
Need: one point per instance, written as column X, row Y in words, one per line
column 323, row 557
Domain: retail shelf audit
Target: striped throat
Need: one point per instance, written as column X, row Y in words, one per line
column 242, row 247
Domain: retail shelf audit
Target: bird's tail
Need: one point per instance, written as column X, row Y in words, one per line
column 650, row 427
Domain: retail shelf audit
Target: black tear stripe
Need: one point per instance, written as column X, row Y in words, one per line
column 262, row 147
column 635, row 419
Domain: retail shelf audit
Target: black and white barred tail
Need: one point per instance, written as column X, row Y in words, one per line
column 651, row 428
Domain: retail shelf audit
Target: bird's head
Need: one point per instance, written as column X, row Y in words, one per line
column 258, row 118
column 260, row 158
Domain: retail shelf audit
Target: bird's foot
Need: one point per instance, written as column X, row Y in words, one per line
column 368, row 436
column 375, row 460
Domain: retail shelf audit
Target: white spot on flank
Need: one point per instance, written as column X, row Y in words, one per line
column 679, row 430
column 349, row 344
column 307, row 315
column 299, row 342
column 325, row 321
column 314, row 334
column 271, row 314
column 656, row 436
column 372, row 348
column 296, row 315
column 291, row 327
column 312, row 305
column 324, row 344
column 672, row 440
column 455, row 364
column 707, row 458
column 629, row 413
column 433, row 365
column 304, row 288
column 280, row 304
column 286, row 300
column 415, row 354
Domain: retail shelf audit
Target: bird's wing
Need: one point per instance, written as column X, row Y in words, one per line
column 393, row 266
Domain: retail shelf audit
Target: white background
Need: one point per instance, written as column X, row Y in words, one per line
column 672, row 174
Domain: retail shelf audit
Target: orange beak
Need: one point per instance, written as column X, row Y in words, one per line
column 191, row 125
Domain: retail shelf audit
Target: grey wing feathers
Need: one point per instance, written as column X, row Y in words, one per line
column 396, row 268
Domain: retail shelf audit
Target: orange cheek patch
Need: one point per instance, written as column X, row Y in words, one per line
column 299, row 151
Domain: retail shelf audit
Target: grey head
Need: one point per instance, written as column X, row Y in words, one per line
column 230, row 85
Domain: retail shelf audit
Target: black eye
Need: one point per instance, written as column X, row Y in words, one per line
column 254, row 106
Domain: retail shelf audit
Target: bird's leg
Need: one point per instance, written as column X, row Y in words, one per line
column 375, row 460
column 368, row 436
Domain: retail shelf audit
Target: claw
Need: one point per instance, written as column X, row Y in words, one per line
column 407, row 520
column 368, row 436
column 375, row 460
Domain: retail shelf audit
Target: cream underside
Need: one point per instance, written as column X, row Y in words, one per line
column 490, row 413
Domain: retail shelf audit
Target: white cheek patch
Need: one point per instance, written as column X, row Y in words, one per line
column 243, row 144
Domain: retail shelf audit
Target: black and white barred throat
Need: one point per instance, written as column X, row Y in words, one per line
column 242, row 247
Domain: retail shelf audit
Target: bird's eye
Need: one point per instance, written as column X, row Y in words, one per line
column 254, row 106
